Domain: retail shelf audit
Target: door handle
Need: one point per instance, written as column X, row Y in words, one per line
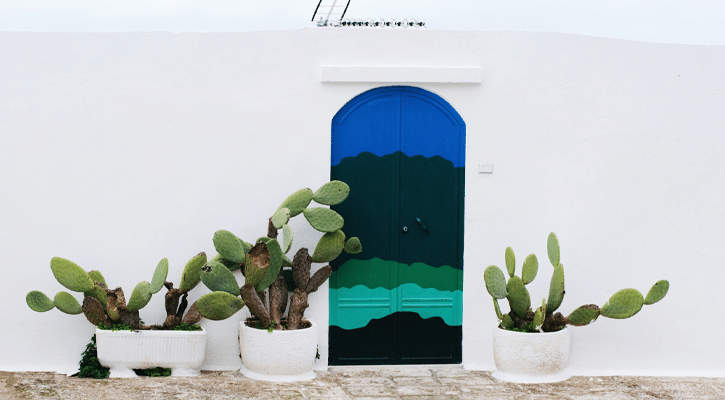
column 422, row 225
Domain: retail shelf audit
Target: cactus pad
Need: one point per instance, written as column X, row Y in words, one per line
column 495, row 282
column 510, row 261
column 552, row 248
column 275, row 263
column 70, row 275
column 323, row 219
column 140, row 296
column 507, row 322
column 217, row 306
column 623, row 304
column 353, row 246
column 497, row 308
column 99, row 292
column 329, row 247
column 257, row 263
column 518, row 296
column 556, row 289
column 530, row 268
column 281, row 217
column 65, row 302
column 287, row 236
column 190, row 277
column 93, row 311
column 162, row 270
column 96, row 276
column 331, row 193
column 539, row 316
column 38, row 301
column 584, row 315
column 231, row 265
column 297, row 201
column 217, row 277
column 657, row 292
column 229, row 246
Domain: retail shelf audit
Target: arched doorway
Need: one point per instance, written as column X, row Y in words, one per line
column 402, row 151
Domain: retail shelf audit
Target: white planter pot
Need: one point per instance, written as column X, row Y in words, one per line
column 278, row 355
column 124, row 351
column 531, row 357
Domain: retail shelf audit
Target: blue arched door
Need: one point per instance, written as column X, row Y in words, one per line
column 402, row 152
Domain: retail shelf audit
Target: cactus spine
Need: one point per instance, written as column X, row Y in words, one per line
column 623, row 304
column 266, row 264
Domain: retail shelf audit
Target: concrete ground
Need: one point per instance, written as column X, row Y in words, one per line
column 356, row 383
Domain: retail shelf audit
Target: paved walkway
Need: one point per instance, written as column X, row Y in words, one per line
column 356, row 383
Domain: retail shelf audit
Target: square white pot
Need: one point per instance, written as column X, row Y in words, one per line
column 124, row 351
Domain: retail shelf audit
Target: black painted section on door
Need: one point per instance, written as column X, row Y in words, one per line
column 380, row 342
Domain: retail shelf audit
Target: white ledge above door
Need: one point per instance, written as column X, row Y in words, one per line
column 387, row 74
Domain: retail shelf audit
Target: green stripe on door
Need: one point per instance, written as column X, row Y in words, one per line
column 375, row 273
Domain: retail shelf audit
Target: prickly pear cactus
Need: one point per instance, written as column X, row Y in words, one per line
column 623, row 304
column 103, row 305
column 264, row 264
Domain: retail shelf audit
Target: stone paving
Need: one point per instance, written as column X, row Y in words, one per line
column 379, row 383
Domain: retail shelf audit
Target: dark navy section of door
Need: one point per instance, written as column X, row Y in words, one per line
column 401, row 150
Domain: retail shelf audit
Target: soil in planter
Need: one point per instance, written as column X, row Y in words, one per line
column 255, row 323
column 124, row 327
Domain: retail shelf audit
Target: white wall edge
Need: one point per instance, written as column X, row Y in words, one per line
column 400, row 74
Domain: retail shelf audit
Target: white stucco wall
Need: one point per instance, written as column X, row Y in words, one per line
column 117, row 150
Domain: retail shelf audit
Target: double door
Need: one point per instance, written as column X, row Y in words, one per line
column 401, row 151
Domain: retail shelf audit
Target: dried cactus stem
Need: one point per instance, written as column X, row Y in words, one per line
column 554, row 322
column 319, row 278
column 301, row 266
column 255, row 304
column 297, row 307
column 175, row 302
column 278, row 301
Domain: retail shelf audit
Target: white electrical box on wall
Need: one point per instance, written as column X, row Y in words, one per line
column 485, row 168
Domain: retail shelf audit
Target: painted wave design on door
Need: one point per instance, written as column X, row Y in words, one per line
column 377, row 271
column 372, row 124
column 427, row 303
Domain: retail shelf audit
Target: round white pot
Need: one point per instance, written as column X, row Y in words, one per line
column 531, row 357
column 124, row 351
column 278, row 355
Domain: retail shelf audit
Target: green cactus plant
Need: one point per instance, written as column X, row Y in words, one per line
column 268, row 273
column 103, row 305
column 623, row 304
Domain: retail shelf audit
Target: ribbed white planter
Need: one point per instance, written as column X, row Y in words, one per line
column 124, row 351
column 281, row 356
column 531, row 357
